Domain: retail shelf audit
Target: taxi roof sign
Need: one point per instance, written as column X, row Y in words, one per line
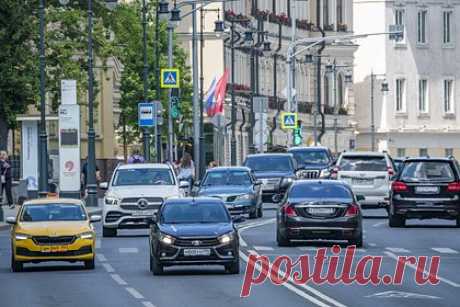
column 170, row 78
column 288, row 120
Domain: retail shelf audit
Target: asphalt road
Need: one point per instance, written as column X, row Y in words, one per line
column 122, row 278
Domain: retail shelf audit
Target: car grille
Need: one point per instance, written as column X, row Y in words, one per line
column 137, row 207
column 193, row 242
column 131, row 203
column 130, row 200
column 21, row 251
column 310, row 174
column 113, row 216
column 63, row 240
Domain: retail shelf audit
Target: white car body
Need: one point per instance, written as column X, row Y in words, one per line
column 128, row 206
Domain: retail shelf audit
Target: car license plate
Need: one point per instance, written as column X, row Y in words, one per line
column 191, row 252
column 143, row 213
column 427, row 190
column 321, row 211
column 268, row 187
column 362, row 181
column 54, row 249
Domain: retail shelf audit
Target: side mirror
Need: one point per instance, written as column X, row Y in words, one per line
column 197, row 183
column 184, row 185
column 276, row 198
column 360, row 197
column 258, row 182
column 238, row 219
column 11, row 220
column 104, row 185
column 95, row 218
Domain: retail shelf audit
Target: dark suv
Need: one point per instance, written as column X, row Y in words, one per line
column 425, row 188
column 314, row 162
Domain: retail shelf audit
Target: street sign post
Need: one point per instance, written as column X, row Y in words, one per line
column 289, row 120
column 146, row 115
column 170, row 78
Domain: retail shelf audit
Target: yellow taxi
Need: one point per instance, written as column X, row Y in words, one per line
column 52, row 230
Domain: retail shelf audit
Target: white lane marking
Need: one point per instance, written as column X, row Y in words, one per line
column 397, row 250
column 307, row 248
column 118, row 279
column 128, row 250
column 134, row 293
column 444, row 250
column 372, row 244
column 379, row 224
column 98, row 243
column 242, row 242
column 263, row 248
column 101, row 257
column 400, row 294
column 148, row 304
column 108, row 268
column 413, row 266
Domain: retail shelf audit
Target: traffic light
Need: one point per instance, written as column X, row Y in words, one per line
column 175, row 101
column 298, row 134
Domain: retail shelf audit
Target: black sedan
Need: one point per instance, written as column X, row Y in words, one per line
column 319, row 209
column 193, row 231
column 236, row 186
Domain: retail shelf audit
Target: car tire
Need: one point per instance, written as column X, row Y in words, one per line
column 253, row 213
column 109, row 232
column 16, row 266
column 282, row 240
column 89, row 264
column 155, row 267
column 233, row 268
column 395, row 220
column 358, row 240
column 260, row 211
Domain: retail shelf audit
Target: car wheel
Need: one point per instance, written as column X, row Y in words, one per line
column 233, row 268
column 395, row 220
column 253, row 213
column 260, row 211
column 16, row 266
column 358, row 240
column 155, row 267
column 109, row 232
column 282, row 240
column 89, row 264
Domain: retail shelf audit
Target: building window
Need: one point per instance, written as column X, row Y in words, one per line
column 449, row 152
column 400, row 95
column 423, row 152
column 340, row 19
column 447, row 25
column 401, row 152
column 421, row 26
column 399, row 20
column 340, row 90
column 325, row 13
column 448, row 96
column 327, row 99
column 423, row 95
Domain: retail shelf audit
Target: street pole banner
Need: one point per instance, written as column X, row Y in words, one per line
column 68, row 92
column 146, row 116
column 30, row 154
column 69, row 148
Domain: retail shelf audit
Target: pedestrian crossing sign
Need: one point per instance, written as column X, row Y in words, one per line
column 170, row 78
column 288, row 120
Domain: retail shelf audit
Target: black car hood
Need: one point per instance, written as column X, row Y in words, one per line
column 196, row 230
column 271, row 174
column 224, row 189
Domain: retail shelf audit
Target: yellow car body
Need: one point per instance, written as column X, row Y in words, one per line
column 39, row 241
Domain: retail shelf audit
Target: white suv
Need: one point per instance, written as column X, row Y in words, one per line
column 135, row 192
column 369, row 174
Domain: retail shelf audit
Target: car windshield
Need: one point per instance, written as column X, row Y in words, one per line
column 270, row 164
column 52, row 212
column 227, row 178
column 363, row 164
column 305, row 157
column 192, row 213
column 324, row 191
column 427, row 171
column 143, row 176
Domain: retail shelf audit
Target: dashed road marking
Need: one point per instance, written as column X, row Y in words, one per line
column 118, row 279
column 307, row 248
column 101, row 257
column 397, row 250
column 98, row 243
column 242, row 242
column 128, row 250
column 263, row 248
column 134, row 293
column 108, row 268
column 379, row 224
column 148, row 304
column 372, row 244
column 444, row 250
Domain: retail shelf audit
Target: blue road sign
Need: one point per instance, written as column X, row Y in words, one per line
column 288, row 120
column 170, row 78
column 146, row 115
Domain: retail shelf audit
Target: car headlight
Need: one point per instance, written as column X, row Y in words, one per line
column 21, row 236
column 243, row 197
column 111, row 200
column 166, row 239
column 86, row 235
column 324, row 173
column 226, row 238
column 287, row 181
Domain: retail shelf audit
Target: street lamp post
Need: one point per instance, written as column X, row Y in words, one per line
column 43, row 173
column 384, row 89
column 145, row 138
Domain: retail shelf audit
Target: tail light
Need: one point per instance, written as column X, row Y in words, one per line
column 352, row 210
column 289, row 210
column 453, row 187
column 399, row 186
column 391, row 171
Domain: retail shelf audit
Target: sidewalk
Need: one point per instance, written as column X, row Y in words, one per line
column 5, row 212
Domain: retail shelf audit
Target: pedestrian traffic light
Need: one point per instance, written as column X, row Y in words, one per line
column 298, row 133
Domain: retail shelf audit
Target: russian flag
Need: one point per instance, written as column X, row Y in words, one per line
column 209, row 99
column 215, row 96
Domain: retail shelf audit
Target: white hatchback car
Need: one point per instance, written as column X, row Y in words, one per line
column 135, row 192
column 369, row 174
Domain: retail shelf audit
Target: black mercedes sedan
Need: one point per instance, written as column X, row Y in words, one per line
column 236, row 186
column 319, row 209
column 194, row 231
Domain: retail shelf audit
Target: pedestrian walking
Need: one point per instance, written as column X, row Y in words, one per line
column 212, row 164
column 84, row 176
column 6, row 178
column 186, row 169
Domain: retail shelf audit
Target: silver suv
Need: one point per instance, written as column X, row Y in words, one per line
column 368, row 174
column 135, row 192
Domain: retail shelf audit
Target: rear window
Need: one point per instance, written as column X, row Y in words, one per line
column 309, row 190
column 427, row 171
column 270, row 164
column 363, row 164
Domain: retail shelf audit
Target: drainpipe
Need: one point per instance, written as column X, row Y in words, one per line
column 275, row 81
